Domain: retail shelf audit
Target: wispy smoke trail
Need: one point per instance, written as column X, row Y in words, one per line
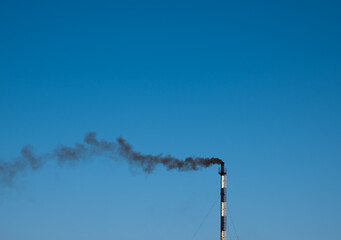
column 92, row 148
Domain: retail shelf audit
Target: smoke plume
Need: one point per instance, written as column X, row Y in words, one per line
column 92, row 147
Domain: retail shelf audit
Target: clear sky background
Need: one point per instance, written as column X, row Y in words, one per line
column 256, row 83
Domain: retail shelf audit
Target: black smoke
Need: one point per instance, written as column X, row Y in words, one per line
column 92, row 147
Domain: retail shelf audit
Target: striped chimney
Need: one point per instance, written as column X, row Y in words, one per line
column 223, row 203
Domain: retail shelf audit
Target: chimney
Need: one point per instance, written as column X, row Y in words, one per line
column 222, row 202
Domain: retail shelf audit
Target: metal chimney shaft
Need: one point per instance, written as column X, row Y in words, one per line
column 223, row 202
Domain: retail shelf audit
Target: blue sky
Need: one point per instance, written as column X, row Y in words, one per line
column 254, row 83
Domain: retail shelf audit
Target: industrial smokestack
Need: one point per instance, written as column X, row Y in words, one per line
column 223, row 202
